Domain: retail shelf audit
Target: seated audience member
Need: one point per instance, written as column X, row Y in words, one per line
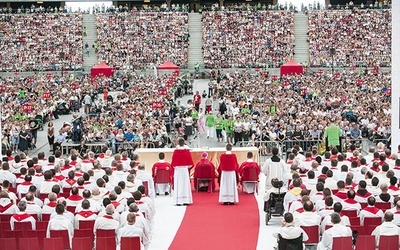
column 396, row 212
column 341, row 194
column 350, row 203
column 143, row 175
column 74, row 199
column 374, row 188
column 31, row 206
column 22, row 216
column 337, row 230
column 288, row 229
column 295, row 205
column 328, row 208
column 293, row 194
column 131, row 230
column 95, row 205
column 320, row 204
column 6, row 205
column 384, row 196
column 48, row 183
column 362, row 193
column 60, row 222
column 344, row 220
column 370, row 210
column 249, row 163
column 23, row 187
column 85, row 214
column 161, row 165
column 49, row 208
column 319, row 194
column 309, row 217
column 106, row 221
column 387, row 228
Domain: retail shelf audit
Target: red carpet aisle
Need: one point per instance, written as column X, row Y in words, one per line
column 208, row 225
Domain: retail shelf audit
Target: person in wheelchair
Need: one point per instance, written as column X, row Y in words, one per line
column 289, row 236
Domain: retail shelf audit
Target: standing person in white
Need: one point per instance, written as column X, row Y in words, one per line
column 228, row 172
column 274, row 167
column 182, row 162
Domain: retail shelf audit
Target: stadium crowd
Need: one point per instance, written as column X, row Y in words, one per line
column 266, row 38
column 136, row 40
column 359, row 38
column 41, row 42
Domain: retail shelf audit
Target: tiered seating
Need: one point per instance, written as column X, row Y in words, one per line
column 36, row 42
column 247, row 39
column 134, row 40
column 359, row 37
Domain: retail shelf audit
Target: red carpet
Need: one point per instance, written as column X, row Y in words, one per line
column 208, row 225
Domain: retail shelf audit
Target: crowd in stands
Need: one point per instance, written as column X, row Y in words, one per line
column 359, row 38
column 41, row 42
column 303, row 105
column 135, row 40
column 245, row 39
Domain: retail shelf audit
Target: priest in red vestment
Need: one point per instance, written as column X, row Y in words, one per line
column 228, row 168
column 162, row 165
column 182, row 162
column 244, row 170
column 204, row 169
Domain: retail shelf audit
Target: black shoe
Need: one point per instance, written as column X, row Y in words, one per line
column 166, row 193
column 157, row 194
column 179, row 204
column 185, row 204
column 231, row 203
column 226, row 203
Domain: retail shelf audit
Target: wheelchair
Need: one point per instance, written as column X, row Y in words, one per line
column 274, row 205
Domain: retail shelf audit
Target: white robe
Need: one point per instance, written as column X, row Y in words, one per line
column 182, row 190
column 273, row 170
column 228, row 191
column 336, row 230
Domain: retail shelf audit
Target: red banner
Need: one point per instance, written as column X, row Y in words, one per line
column 162, row 92
column 156, row 105
column 46, row 95
column 27, row 107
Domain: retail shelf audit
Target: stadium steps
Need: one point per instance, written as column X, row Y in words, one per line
column 89, row 21
column 195, row 41
column 301, row 48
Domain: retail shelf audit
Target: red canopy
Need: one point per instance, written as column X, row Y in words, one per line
column 291, row 68
column 101, row 69
column 168, row 66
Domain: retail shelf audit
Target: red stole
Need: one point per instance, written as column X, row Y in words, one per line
column 115, row 204
column 139, row 202
column 87, row 214
column 372, row 210
column 52, row 204
column 341, row 195
column 75, row 198
column 26, row 183
column 21, row 217
column 3, row 209
column 59, row 178
column 394, row 188
column 375, row 169
column 66, row 167
column 351, row 201
column 108, row 217
column 71, row 181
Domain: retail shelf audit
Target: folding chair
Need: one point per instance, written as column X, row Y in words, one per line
column 105, row 243
column 46, row 217
column 66, row 192
column 84, row 233
column 8, row 244
column 203, row 173
column 383, row 206
column 85, row 243
column 53, row 244
column 130, row 243
column 61, row 234
column 43, row 196
column 39, row 234
column 341, row 243
column 4, row 225
column 250, row 176
column 71, row 209
column 146, row 184
column 293, row 244
column 364, row 204
column 42, row 225
column 16, row 234
column 29, row 244
column 349, row 213
column 388, row 242
column 105, row 233
column 35, row 216
column 23, row 226
column 313, row 234
column 86, row 224
column 365, row 242
column 5, row 217
column 372, row 221
column 360, row 229
column 354, row 221
column 162, row 177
